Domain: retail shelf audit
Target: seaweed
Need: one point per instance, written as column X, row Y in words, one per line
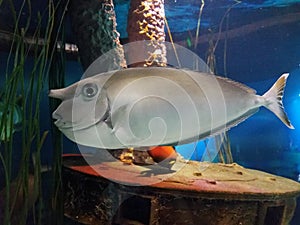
column 22, row 192
column 222, row 141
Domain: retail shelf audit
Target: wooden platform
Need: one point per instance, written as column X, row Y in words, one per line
column 106, row 191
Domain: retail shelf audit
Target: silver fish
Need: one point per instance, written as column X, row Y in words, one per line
column 141, row 107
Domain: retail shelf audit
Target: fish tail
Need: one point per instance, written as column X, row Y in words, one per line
column 274, row 97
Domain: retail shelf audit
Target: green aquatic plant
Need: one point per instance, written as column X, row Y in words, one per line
column 22, row 191
column 56, row 80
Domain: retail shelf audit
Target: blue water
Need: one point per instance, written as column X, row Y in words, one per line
column 256, row 59
column 183, row 15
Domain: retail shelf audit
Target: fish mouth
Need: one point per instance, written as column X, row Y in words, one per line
column 59, row 122
column 64, row 125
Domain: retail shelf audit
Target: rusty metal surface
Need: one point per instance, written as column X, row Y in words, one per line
column 199, row 178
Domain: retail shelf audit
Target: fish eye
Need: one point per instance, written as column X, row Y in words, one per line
column 89, row 90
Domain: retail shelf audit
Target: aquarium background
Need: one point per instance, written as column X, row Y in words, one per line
column 256, row 58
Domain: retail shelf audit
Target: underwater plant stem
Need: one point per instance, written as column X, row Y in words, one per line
column 222, row 21
column 222, row 140
column 7, row 191
column 10, row 97
column 222, row 143
column 199, row 23
column 56, row 80
column 172, row 42
column 219, row 142
column 13, row 11
column 228, row 149
column 22, row 178
column 225, row 47
column 16, row 23
column 31, row 137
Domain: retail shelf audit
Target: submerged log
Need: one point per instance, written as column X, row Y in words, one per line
column 190, row 193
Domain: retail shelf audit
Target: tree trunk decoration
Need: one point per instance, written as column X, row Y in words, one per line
column 146, row 21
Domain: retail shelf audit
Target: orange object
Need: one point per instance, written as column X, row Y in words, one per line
column 161, row 153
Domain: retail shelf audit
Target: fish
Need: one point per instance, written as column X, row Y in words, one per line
column 158, row 106
column 12, row 111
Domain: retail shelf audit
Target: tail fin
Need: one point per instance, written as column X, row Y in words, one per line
column 274, row 99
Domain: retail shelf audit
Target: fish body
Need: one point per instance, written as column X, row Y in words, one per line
column 153, row 106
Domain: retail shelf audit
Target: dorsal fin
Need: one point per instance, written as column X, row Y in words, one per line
column 237, row 84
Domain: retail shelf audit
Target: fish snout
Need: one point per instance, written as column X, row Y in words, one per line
column 56, row 116
column 60, row 122
column 58, row 119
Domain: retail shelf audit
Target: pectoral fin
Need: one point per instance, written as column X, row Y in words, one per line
column 121, row 127
column 118, row 118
